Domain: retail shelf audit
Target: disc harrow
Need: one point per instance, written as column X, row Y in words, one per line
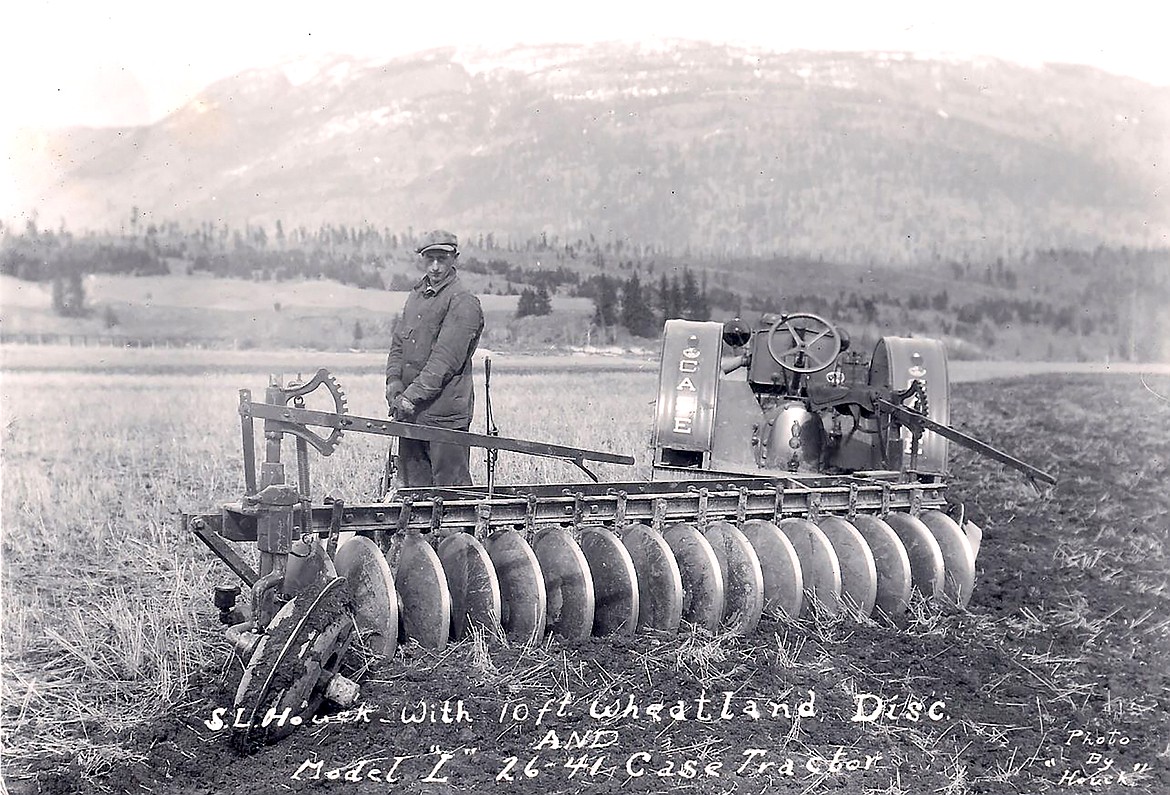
column 437, row 564
column 779, row 513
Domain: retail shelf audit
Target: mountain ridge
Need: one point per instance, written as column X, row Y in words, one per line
column 872, row 157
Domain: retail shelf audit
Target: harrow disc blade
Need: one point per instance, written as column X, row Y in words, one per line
column 660, row 590
column 567, row 582
column 958, row 560
column 301, row 648
column 858, row 570
column 523, row 602
column 471, row 580
column 891, row 562
column 926, row 558
column 615, row 583
column 702, row 579
column 974, row 535
column 783, row 579
column 743, row 577
column 362, row 564
column 422, row 590
column 317, row 566
column 818, row 563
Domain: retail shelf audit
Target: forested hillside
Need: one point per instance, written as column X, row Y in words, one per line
column 1056, row 304
column 1014, row 211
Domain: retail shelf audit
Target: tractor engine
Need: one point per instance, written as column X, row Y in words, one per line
column 789, row 395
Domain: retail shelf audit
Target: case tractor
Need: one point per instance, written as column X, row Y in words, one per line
column 792, row 477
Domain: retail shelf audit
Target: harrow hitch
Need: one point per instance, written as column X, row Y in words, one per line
column 917, row 423
column 890, row 404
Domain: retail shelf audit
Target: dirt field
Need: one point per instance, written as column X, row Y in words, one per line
column 1055, row 679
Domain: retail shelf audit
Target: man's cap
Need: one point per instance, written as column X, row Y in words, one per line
column 438, row 239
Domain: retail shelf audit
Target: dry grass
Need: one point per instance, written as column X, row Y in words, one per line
column 106, row 604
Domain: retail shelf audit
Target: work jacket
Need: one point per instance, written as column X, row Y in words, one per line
column 431, row 350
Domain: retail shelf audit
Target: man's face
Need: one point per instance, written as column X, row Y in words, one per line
column 438, row 264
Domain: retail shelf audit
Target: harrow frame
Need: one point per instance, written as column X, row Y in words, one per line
column 655, row 503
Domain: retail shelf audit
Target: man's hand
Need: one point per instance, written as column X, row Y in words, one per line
column 393, row 390
column 402, row 407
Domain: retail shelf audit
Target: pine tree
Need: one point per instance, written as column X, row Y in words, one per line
column 605, row 313
column 694, row 304
column 688, row 292
column 637, row 316
column 69, row 295
column 542, row 303
column 677, row 307
column 59, row 295
column 527, row 303
column 702, row 302
column 670, row 300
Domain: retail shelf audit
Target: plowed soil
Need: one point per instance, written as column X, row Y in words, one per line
column 1055, row 677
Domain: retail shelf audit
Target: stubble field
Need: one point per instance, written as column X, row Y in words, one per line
column 1055, row 678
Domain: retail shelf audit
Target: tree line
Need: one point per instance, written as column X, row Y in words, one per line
column 642, row 308
column 628, row 303
column 1121, row 293
column 345, row 253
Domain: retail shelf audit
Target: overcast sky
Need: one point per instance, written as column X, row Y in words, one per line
column 128, row 61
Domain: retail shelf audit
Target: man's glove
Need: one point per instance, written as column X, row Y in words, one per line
column 393, row 390
column 402, row 407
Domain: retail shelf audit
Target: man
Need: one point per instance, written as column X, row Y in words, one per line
column 428, row 371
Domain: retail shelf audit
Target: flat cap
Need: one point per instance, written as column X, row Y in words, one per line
column 440, row 239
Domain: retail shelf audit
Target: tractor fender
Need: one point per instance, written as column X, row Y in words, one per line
column 688, row 384
column 896, row 363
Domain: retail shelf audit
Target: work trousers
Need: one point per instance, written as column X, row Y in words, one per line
column 422, row 464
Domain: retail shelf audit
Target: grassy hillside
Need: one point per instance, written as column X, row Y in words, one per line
column 327, row 315
column 241, row 314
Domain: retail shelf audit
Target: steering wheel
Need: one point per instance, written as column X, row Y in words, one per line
column 803, row 355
